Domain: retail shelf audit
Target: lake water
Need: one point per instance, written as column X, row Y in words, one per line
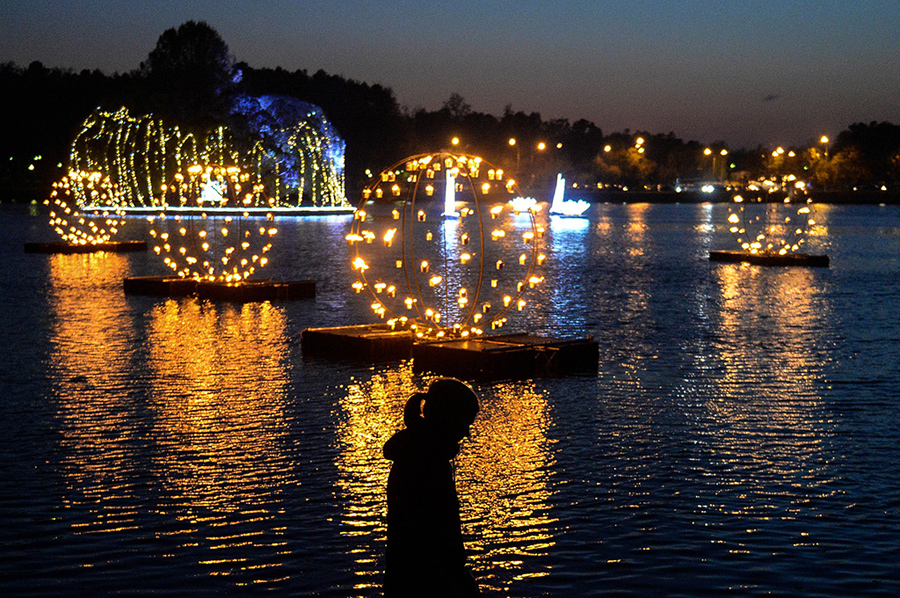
column 741, row 435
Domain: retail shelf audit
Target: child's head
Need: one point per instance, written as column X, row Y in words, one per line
column 451, row 405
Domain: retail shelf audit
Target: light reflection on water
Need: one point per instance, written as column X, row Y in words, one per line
column 503, row 484
column 765, row 413
column 501, row 476
column 89, row 364
column 739, row 437
column 208, row 439
column 371, row 412
column 218, row 403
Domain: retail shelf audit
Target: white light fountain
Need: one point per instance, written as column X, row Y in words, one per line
column 565, row 208
column 450, row 212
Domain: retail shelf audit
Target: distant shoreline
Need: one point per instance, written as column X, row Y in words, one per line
column 665, row 197
column 616, row 196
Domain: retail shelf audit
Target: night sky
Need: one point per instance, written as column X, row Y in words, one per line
column 743, row 72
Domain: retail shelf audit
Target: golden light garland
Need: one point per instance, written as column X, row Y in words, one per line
column 202, row 242
column 142, row 154
column 450, row 268
column 74, row 222
column 771, row 227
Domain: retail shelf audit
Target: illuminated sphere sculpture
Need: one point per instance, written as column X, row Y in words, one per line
column 439, row 250
column 288, row 148
column 78, row 224
column 199, row 241
column 770, row 227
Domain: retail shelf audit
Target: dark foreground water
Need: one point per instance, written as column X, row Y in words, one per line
column 741, row 436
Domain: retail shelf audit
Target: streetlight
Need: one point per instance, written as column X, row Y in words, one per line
column 512, row 143
column 822, row 167
column 715, row 171
column 708, row 152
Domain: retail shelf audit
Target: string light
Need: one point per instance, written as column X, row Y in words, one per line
column 770, row 227
column 139, row 154
column 70, row 215
column 435, row 255
column 205, row 243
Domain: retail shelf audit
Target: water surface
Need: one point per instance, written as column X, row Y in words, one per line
column 740, row 436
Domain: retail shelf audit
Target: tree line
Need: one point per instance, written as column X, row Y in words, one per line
column 191, row 79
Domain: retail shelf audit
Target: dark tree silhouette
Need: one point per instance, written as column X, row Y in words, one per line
column 876, row 146
column 42, row 110
column 189, row 76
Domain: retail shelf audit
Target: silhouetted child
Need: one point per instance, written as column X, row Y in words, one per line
column 425, row 553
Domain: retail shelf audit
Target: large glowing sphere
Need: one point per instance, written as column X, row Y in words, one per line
column 438, row 249
column 287, row 147
column 209, row 237
column 81, row 224
column 778, row 227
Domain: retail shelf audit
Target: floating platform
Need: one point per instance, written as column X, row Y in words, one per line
column 70, row 248
column 506, row 357
column 769, row 258
column 160, row 286
column 243, row 292
column 251, row 291
column 363, row 343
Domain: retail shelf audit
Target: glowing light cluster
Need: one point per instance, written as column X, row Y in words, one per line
column 201, row 241
column 524, row 204
column 301, row 161
column 76, row 224
column 770, row 227
column 433, row 253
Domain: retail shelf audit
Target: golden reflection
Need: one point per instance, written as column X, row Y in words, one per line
column 218, row 399
column 501, row 476
column 770, row 324
column 821, row 213
column 90, row 369
column 503, row 486
column 605, row 224
column 637, row 228
column 637, row 298
column 371, row 411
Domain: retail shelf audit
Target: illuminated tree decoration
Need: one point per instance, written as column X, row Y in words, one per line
column 439, row 250
column 778, row 227
column 292, row 162
column 201, row 242
column 78, row 224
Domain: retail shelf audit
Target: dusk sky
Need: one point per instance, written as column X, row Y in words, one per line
column 744, row 72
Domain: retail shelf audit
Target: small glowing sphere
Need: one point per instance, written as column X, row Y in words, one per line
column 75, row 208
column 212, row 245
column 771, row 224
